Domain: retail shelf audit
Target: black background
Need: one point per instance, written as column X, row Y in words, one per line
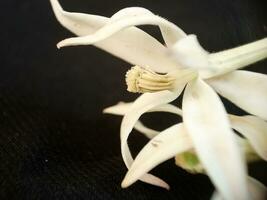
column 55, row 143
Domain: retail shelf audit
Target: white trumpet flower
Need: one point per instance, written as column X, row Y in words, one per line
column 185, row 63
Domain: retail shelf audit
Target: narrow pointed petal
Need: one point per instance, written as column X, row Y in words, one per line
column 78, row 23
column 257, row 189
column 248, row 90
column 206, row 121
column 167, row 108
column 255, row 130
column 144, row 103
column 132, row 45
column 148, row 132
column 123, row 107
column 119, row 109
column 239, row 57
column 122, row 23
column 164, row 146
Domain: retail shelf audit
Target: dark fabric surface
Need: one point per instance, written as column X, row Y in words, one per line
column 55, row 143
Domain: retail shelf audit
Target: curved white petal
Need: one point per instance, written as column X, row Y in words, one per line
column 255, row 130
column 119, row 109
column 132, row 45
column 170, row 33
column 122, row 23
column 248, row 90
column 78, row 23
column 130, row 12
column 148, row 132
column 239, row 57
column 164, row 146
column 144, row 103
column 122, row 108
column 206, row 122
column 167, row 108
column 258, row 191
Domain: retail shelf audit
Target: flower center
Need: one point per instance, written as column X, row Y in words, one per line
column 141, row 80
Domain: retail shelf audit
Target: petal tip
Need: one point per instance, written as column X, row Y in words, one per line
column 125, row 183
column 60, row 44
column 105, row 111
column 167, row 187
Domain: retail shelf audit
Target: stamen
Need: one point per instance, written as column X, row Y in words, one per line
column 141, row 80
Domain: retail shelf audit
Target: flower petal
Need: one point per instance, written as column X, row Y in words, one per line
column 78, row 23
column 130, row 12
column 247, row 149
column 236, row 58
column 206, row 122
column 189, row 53
column 170, row 33
column 248, row 90
column 132, row 45
column 164, row 146
column 173, row 32
column 144, row 103
column 167, row 108
column 148, row 132
column 254, row 129
column 123, row 107
column 258, row 190
column 119, row 109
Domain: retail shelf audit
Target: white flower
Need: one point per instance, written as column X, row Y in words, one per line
column 186, row 64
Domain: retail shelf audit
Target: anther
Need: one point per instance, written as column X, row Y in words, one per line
column 141, row 80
